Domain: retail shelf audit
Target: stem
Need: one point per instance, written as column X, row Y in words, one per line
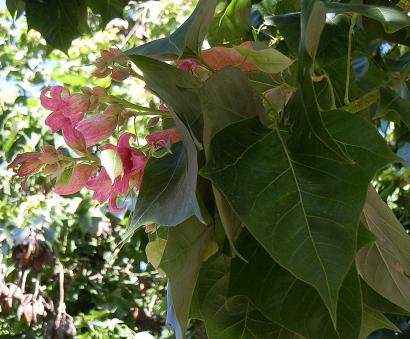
column 23, row 280
column 148, row 110
column 37, row 287
column 362, row 102
column 61, row 306
column 349, row 58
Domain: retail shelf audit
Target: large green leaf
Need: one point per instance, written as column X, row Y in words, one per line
column 391, row 18
column 301, row 205
column 231, row 317
column 374, row 320
column 59, row 22
column 385, row 264
column 181, row 261
column 284, row 299
column 227, row 97
column 188, row 38
column 167, row 194
column 232, row 24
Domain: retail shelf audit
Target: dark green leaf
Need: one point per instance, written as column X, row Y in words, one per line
column 167, row 194
column 392, row 103
column 313, row 203
column 187, row 38
column 289, row 27
column 108, row 9
column 288, row 301
column 181, row 261
column 385, row 264
column 59, row 22
column 392, row 19
column 231, row 317
column 232, row 25
column 15, row 7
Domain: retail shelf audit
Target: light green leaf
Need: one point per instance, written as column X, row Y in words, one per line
column 385, row 264
column 313, row 203
column 181, row 261
column 188, row 38
column 374, row 320
column 154, row 251
column 391, row 18
column 313, row 21
column 267, row 60
column 111, row 161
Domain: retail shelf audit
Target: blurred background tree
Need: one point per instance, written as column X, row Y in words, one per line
column 108, row 296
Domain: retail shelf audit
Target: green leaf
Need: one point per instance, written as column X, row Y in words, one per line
column 59, row 22
column 108, row 9
column 313, row 203
column 188, row 38
column 231, row 25
column 385, row 264
column 111, row 161
column 167, row 194
column 227, row 97
column 184, row 251
column 231, row 317
column 374, row 320
column 65, row 177
column 15, row 7
column 155, row 250
column 391, row 102
column 267, row 60
column 285, row 300
column 391, row 19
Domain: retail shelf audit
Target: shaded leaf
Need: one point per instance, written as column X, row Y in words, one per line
column 231, row 317
column 59, row 22
column 188, row 38
column 284, row 299
column 108, row 9
column 313, row 203
column 185, row 248
column 377, row 262
column 392, row 103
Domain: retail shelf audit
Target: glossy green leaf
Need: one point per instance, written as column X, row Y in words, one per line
column 391, row 18
column 111, row 161
column 284, row 299
column 289, row 27
column 184, row 251
column 385, row 264
column 267, row 60
column 374, row 320
column 231, row 317
column 313, row 203
column 188, row 38
column 232, row 24
column 59, row 22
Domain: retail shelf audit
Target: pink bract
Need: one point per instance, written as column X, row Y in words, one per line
column 133, row 162
column 78, row 180
column 161, row 138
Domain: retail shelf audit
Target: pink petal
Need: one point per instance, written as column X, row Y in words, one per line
column 124, row 140
column 160, row 138
column 101, row 184
column 56, row 120
column 97, row 128
column 54, row 101
column 74, row 138
column 78, row 180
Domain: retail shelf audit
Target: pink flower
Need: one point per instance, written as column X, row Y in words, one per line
column 161, row 138
column 100, row 126
column 78, row 180
column 105, row 64
column 133, row 162
column 187, row 65
column 28, row 164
